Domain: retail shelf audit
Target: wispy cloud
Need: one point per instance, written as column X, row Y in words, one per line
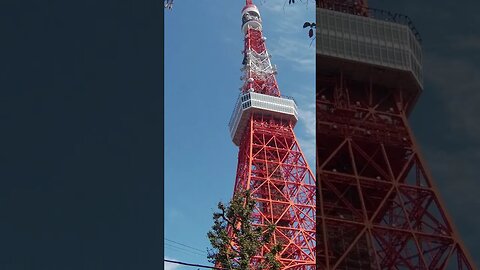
column 293, row 16
column 292, row 50
column 297, row 52
column 308, row 150
column 307, row 118
column 290, row 42
column 307, row 140
column 305, row 98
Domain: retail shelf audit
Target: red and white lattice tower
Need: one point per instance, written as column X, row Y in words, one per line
column 378, row 207
column 270, row 162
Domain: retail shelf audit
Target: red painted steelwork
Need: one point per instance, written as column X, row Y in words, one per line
column 263, row 83
column 357, row 7
column 271, row 164
column 378, row 207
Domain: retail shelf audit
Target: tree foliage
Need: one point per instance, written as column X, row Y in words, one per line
column 312, row 26
column 168, row 4
column 235, row 240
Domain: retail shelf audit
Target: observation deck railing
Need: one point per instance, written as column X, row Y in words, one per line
column 373, row 13
column 279, row 107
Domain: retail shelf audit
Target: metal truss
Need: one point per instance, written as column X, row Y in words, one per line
column 272, row 165
column 259, row 74
column 377, row 206
column 270, row 162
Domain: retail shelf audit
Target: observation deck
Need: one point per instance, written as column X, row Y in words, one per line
column 377, row 44
column 248, row 103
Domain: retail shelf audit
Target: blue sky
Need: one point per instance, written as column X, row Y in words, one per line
column 203, row 44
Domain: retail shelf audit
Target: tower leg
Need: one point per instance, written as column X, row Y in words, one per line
column 377, row 206
column 272, row 166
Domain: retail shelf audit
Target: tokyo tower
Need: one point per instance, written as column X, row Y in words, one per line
column 270, row 162
column 377, row 207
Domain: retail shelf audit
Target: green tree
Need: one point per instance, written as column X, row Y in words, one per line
column 235, row 240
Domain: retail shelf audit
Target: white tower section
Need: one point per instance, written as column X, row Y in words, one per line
column 251, row 18
column 260, row 94
column 259, row 73
column 278, row 107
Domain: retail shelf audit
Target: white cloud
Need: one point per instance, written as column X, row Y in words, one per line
column 297, row 52
column 305, row 98
column 290, row 41
column 293, row 16
column 292, row 49
column 308, row 149
column 307, row 140
column 307, row 118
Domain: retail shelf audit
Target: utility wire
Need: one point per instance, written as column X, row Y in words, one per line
column 196, row 265
column 203, row 251
column 178, row 250
column 184, row 250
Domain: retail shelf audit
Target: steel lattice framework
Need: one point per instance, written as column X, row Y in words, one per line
column 270, row 162
column 378, row 207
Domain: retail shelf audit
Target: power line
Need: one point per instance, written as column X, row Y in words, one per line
column 196, row 265
column 184, row 250
column 181, row 251
column 203, row 251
